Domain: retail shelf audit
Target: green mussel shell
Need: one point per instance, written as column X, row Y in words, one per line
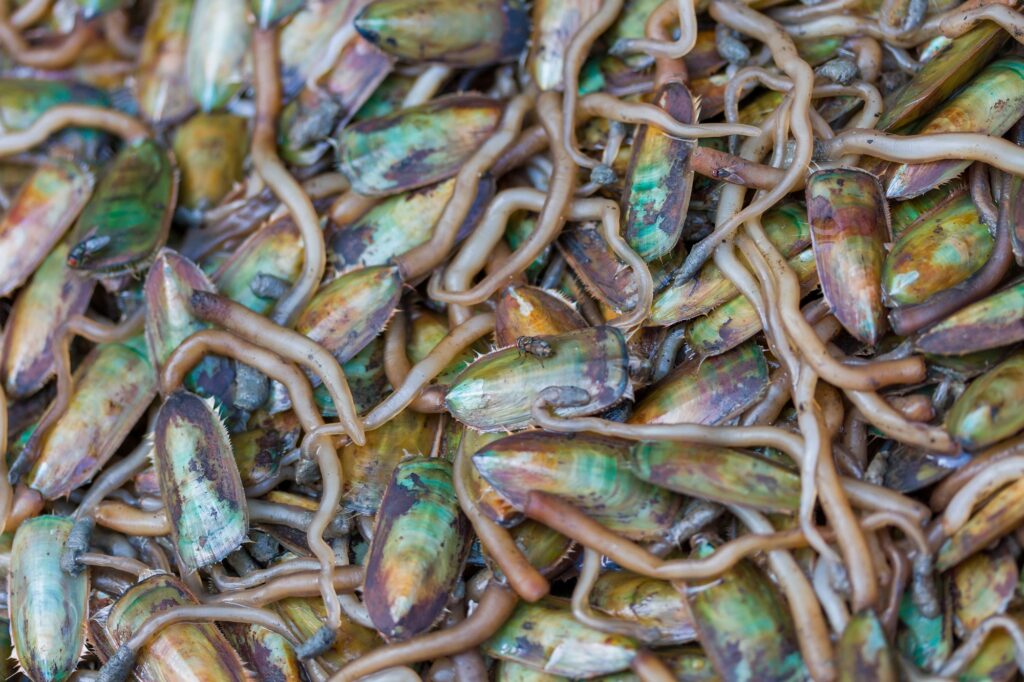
column 417, row 146
column 128, row 217
column 113, row 387
column 991, row 103
column 989, row 410
column 546, row 636
column 717, row 473
column 161, row 80
column 659, row 180
column 199, row 481
column 217, row 58
column 348, row 312
column 992, row 322
column 497, row 391
column 744, row 626
column 849, row 227
column 591, row 472
column 706, row 390
column 530, row 311
column 43, row 210
column 183, row 651
column 48, row 606
column 54, row 294
column 939, row 251
column 473, row 34
column 419, row 545
column 864, row 652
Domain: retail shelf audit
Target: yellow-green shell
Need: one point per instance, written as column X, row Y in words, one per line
column 183, row 651
column 218, row 54
column 113, row 387
column 55, row 293
column 546, row 636
column 498, row 390
column 45, row 207
column 990, row 409
column 48, row 606
column 199, row 481
column 417, row 146
column 939, row 251
column 706, row 390
column 591, row 472
column 419, row 544
column 717, row 473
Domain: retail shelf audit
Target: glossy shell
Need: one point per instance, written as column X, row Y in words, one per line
column 275, row 250
column 939, row 251
column 161, row 81
column 366, row 379
column 787, row 228
column 43, row 210
column 22, row 101
column 706, row 390
column 994, row 321
column 426, row 330
column 593, row 359
column 989, row 410
column 199, row 482
column 982, row 586
column 548, row 551
column 555, row 22
column 306, row 616
column 113, row 387
column 546, row 636
column 419, row 544
column 991, row 103
column 218, row 51
column 55, row 293
column 417, row 146
column 591, row 472
column 358, row 70
column 744, row 626
column 210, row 150
column 925, row 641
column 348, row 312
column 270, row 12
column 716, row 473
column 128, row 217
column 169, row 285
column 849, row 227
column 48, row 607
column 259, row 450
column 1000, row 514
column 396, row 225
column 604, row 274
column 531, row 311
column 659, row 180
column 479, row 33
column 654, row 604
column 735, row 321
column 905, row 214
column 265, row 652
column 941, row 76
column 184, row 651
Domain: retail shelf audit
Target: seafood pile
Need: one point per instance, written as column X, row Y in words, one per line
column 406, row 339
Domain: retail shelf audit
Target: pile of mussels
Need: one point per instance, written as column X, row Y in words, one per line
column 594, row 339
